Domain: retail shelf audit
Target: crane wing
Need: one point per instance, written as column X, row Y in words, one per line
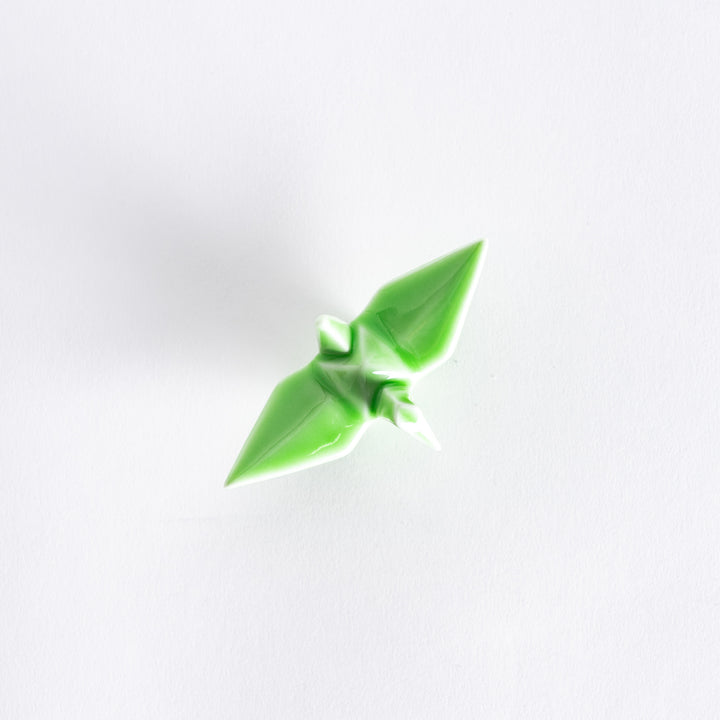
column 422, row 313
column 301, row 425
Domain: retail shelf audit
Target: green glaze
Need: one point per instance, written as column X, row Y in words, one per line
column 364, row 371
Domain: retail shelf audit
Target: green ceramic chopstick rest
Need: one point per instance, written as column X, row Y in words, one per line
column 364, row 370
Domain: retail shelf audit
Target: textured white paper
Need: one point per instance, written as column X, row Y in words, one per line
column 185, row 186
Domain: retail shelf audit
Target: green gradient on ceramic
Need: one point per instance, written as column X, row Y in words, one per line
column 364, row 371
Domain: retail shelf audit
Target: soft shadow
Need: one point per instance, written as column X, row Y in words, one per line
column 165, row 279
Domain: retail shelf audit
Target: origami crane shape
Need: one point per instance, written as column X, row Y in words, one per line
column 364, row 371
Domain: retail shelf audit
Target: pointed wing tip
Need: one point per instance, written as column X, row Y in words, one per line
column 475, row 250
column 478, row 258
column 250, row 475
column 248, row 478
column 235, row 479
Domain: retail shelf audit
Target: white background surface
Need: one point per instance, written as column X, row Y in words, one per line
column 185, row 186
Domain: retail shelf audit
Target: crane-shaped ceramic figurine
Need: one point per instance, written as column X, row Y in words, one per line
column 364, row 370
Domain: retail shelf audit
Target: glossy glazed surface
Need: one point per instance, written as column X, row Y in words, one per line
column 364, row 370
